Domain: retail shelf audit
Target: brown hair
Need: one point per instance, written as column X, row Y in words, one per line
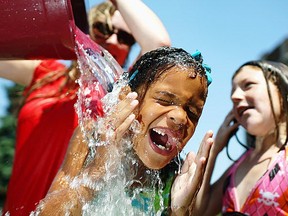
column 68, row 82
column 276, row 72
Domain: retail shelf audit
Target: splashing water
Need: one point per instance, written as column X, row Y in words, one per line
column 120, row 191
column 99, row 70
column 115, row 195
column 126, row 187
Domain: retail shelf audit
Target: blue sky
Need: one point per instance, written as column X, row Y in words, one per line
column 228, row 33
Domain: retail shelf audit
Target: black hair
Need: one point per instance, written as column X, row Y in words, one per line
column 153, row 64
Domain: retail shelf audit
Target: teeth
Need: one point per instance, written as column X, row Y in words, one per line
column 163, row 147
column 159, row 131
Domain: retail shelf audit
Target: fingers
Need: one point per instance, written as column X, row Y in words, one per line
column 203, row 155
column 200, row 159
column 190, row 158
column 119, row 119
column 124, row 126
column 228, row 128
column 230, row 121
column 121, row 116
column 124, row 108
column 192, row 164
column 205, row 146
column 124, row 92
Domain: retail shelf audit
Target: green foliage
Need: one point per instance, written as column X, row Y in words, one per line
column 7, row 138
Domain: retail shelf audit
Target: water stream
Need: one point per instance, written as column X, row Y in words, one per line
column 120, row 191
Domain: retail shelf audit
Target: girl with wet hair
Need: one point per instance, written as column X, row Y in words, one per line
column 137, row 145
column 257, row 183
column 158, row 62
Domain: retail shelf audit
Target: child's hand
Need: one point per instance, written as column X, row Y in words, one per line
column 225, row 132
column 188, row 182
column 116, row 124
column 122, row 116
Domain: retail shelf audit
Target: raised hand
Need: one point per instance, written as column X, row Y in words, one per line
column 189, row 180
column 226, row 130
column 122, row 116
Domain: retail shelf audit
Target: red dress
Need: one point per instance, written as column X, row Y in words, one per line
column 44, row 128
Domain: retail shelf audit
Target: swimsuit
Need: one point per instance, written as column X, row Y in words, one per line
column 268, row 197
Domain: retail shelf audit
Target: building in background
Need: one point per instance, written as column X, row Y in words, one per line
column 280, row 53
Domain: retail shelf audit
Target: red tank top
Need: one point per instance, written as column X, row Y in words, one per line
column 44, row 128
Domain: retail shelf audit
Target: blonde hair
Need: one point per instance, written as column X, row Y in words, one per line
column 101, row 13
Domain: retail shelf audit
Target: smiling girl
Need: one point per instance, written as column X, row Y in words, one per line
column 164, row 96
column 257, row 183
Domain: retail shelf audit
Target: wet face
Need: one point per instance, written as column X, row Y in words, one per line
column 169, row 114
column 251, row 104
column 117, row 43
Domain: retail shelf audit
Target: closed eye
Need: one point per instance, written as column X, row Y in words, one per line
column 164, row 102
column 192, row 113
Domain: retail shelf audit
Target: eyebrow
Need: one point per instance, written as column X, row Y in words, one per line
column 166, row 93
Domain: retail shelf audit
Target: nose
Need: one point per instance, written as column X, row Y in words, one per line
column 177, row 118
column 237, row 95
column 112, row 39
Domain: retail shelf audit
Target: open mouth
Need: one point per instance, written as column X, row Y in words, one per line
column 241, row 110
column 163, row 142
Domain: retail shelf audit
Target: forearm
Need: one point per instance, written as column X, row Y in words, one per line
column 65, row 201
column 144, row 24
column 205, row 194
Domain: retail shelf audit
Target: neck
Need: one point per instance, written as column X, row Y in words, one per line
column 142, row 176
column 267, row 143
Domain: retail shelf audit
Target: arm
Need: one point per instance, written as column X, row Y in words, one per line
column 146, row 27
column 18, row 71
column 71, row 188
column 61, row 197
column 209, row 198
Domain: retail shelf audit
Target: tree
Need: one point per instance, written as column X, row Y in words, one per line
column 7, row 138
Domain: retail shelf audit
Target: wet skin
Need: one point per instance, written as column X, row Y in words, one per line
column 169, row 114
